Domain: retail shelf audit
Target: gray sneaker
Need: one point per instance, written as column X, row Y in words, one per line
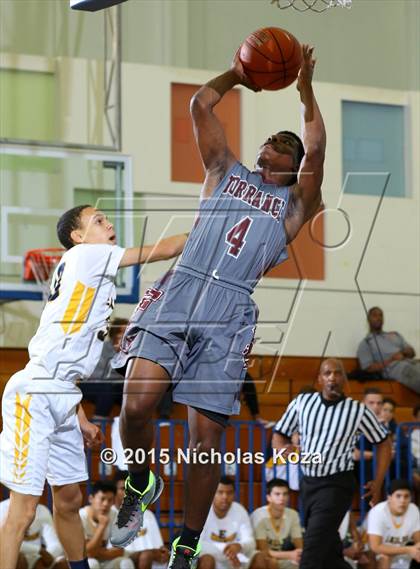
column 130, row 516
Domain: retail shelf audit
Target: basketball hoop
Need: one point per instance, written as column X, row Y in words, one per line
column 38, row 266
column 314, row 5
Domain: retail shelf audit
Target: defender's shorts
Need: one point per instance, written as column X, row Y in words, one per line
column 200, row 331
column 41, row 437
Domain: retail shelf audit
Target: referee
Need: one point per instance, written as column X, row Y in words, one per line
column 328, row 423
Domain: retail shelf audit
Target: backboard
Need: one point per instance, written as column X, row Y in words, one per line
column 37, row 185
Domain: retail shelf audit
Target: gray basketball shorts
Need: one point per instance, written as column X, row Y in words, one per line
column 200, row 331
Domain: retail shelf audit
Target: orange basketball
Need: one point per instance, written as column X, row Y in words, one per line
column 271, row 58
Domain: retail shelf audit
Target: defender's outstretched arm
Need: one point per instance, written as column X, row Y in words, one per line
column 160, row 251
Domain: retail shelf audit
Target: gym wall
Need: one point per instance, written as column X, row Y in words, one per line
column 295, row 318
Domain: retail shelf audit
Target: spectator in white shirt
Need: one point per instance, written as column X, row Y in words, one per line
column 227, row 539
column 97, row 519
column 392, row 525
column 40, row 546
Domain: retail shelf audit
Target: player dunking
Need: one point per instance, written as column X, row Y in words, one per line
column 42, row 437
column 196, row 326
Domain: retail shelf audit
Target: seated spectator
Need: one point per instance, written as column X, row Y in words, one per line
column 391, row 526
column 388, row 415
column 41, row 548
column 277, row 530
column 388, row 353
column 97, row 519
column 373, row 399
column 105, row 386
column 147, row 550
column 227, row 539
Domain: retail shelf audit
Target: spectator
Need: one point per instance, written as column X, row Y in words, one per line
column 97, row 519
column 392, row 525
column 40, row 547
column 147, row 550
column 277, row 530
column 227, row 539
column 388, row 353
column 105, row 386
column 388, row 414
column 373, row 399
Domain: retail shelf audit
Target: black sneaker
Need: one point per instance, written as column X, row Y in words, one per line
column 183, row 557
column 131, row 512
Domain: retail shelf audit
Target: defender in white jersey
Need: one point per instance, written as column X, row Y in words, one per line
column 43, row 424
column 393, row 525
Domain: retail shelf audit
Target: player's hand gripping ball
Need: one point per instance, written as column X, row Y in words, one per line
column 270, row 58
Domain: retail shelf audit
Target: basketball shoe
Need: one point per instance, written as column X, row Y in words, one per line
column 183, row 557
column 130, row 516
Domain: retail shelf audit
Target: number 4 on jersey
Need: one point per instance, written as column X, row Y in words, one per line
column 235, row 237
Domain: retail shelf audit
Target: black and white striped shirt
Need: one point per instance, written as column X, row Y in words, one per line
column 330, row 429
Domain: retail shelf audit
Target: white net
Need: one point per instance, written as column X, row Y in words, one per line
column 314, row 5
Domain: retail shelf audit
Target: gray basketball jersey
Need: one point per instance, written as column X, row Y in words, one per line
column 239, row 233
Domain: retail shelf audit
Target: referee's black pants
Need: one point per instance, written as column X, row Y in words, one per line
column 325, row 502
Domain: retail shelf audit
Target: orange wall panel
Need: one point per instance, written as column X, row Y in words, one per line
column 186, row 163
column 306, row 254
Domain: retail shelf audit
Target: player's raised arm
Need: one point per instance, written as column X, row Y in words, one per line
column 306, row 194
column 208, row 131
column 160, row 251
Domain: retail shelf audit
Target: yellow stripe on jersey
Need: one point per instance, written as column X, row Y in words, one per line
column 22, row 436
column 73, row 306
column 77, row 308
column 84, row 310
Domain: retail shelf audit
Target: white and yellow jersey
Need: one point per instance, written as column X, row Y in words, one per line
column 394, row 530
column 69, row 340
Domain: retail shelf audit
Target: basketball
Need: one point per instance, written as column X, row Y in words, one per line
column 271, row 58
